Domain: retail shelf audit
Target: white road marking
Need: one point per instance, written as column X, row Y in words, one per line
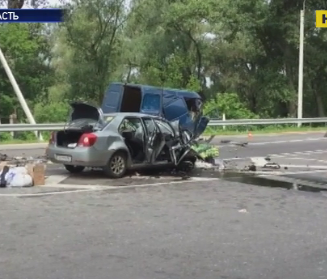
column 46, row 193
column 56, row 179
column 235, row 159
column 93, row 188
column 305, row 166
column 105, row 187
column 69, row 186
column 276, row 156
column 232, row 143
column 287, row 141
column 292, row 154
column 307, row 159
column 281, row 173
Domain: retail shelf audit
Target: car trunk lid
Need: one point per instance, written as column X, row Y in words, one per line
column 84, row 116
column 83, row 120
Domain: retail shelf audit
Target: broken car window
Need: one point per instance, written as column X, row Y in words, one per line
column 129, row 124
column 164, row 127
column 151, row 102
column 149, row 124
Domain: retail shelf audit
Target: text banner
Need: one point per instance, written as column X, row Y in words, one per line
column 31, row 15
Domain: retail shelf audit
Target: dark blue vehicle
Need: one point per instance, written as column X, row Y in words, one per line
column 172, row 104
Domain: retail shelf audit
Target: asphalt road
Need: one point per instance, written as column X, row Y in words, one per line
column 305, row 149
column 209, row 230
column 268, row 145
column 169, row 227
column 258, row 145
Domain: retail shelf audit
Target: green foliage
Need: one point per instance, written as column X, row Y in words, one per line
column 25, row 136
column 26, row 51
column 5, row 136
column 247, row 47
column 206, row 150
column 51, row 112
column 228, row 103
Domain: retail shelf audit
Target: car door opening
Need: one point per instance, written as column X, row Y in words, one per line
column 132, row 131
column 132, row 99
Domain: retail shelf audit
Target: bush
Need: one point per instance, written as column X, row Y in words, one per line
column 5, row 136
column 25, row 136
column 230, row 104
column 51, row 113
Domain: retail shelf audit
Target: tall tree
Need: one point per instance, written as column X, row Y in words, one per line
column 88, row 45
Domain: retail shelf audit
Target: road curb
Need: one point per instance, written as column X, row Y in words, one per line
column 18, row 146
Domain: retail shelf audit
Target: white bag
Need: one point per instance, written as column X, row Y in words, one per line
column 21, row 180
column 18, row 177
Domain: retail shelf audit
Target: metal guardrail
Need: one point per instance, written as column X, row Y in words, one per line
column 276, row 121
column 31, row 127
column 213, row 122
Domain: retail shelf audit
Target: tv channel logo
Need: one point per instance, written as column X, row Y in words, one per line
column 321, row 18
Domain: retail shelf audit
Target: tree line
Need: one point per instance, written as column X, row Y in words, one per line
column 242, row 55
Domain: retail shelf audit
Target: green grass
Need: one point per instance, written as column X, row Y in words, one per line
column 266, row 130
column 214, row 131
column 18, row 141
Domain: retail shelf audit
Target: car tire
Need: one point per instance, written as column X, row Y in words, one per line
column 117, row 165
column 74, row 169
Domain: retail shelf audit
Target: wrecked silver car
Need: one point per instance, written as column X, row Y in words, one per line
column 118, row 142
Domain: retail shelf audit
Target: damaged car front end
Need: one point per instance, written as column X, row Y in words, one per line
column 118, row 142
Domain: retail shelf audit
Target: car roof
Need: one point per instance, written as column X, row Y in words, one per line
column 165, row 90
column 131, row 114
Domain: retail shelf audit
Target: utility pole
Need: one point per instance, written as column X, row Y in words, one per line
column 300, row 85
column 18, row 92
column 18, row 4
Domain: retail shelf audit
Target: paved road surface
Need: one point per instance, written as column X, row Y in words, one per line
column 168, row 227
column 298, row 150
column 209, row 230
column 259, row 145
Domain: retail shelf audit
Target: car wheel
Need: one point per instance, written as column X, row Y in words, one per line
column 185, row 166
column 74, row 169
column 117, row 165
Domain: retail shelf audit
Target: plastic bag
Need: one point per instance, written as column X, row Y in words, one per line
column 21, row 180
column 18, row 177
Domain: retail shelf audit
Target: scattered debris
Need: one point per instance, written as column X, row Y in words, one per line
column 242, row 144
column 3, row 157
column 25, row 176
column 243, row 211
column 272, row 166
column 252, row 168
column 203, row 165
column 259, row 161
column 206, row 140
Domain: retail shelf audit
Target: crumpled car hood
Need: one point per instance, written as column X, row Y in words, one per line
column 202, row 150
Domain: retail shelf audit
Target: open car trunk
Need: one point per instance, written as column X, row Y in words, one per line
column 83, row 119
